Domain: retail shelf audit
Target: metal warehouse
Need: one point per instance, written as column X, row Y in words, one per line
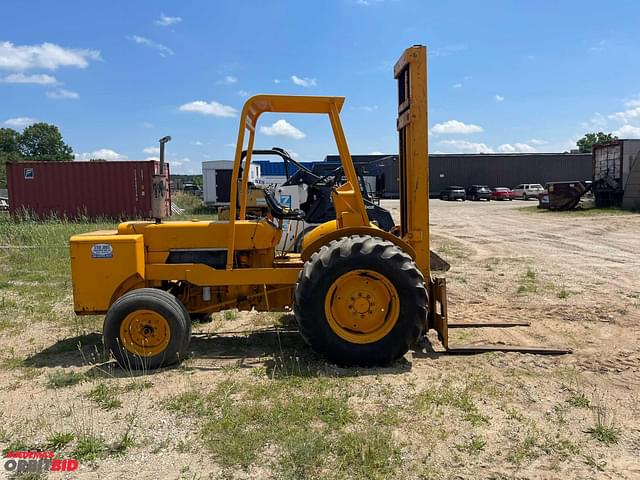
column 494, row 170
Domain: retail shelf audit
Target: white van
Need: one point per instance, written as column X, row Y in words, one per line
column 526, row 191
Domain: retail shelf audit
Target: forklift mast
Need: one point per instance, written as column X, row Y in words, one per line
column 411, row 73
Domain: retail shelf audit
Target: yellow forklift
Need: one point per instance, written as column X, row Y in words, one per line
column 360, row 295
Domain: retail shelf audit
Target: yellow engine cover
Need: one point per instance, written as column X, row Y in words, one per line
column 101, row 262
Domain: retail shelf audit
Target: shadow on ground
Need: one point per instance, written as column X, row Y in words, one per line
column 281, row 351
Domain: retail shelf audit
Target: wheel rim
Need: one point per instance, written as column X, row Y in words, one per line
column 362, row 306
column 145, row 333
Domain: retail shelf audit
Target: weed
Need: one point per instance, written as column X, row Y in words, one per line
column 105, row 396
column 90, row 447
column 138, row 385
column 605, row 434
column 579, row 400
column 528, row 282
column 474, row 446
column 59, row 439
column 604, row 429
column 456, row 397
column 61, row 378
column 230, row 315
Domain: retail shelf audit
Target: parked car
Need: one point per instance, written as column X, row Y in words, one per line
column 501, row 193
column 528, row 190
column 479, row 192
column 4, row 203
column 453, row 193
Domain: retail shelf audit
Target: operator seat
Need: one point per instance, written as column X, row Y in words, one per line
column 279, row 211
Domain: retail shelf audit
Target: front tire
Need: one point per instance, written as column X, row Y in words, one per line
column 361, row 300
column 146, row 329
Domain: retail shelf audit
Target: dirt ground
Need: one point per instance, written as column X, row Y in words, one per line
column 574, row 276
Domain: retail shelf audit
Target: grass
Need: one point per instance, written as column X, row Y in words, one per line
column 58, row 440
column 528, row 282
column 64, row 378
column 449, row 396
column 106, row 396
column 579, row 400
column 579, row 212
column 307, row 422
column 473, row 446
column 604, row 429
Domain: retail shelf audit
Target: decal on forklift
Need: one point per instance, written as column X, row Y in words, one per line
column 101, row 250
column 285, row 200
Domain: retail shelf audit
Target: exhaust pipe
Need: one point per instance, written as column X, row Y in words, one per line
column 159, row 200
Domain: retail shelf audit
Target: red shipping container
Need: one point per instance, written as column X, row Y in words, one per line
column 88, row 188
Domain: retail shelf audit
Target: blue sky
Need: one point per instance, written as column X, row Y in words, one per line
column 503, row 75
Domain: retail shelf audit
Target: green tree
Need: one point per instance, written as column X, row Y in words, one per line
column 586, row 143
column 9, row 151
column 42, row 141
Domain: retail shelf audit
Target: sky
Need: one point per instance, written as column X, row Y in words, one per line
column 504, row 76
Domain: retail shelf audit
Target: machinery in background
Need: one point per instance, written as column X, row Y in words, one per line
column 616, row 174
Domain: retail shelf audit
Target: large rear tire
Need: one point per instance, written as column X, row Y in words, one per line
column 146, row 329
column 361, row 300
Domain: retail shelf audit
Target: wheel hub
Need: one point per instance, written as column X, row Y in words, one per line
column 362, row 306
column 145, row 333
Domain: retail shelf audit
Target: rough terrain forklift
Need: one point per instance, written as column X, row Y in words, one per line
column 360, row 295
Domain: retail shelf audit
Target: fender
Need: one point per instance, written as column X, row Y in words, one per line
column 323, row 234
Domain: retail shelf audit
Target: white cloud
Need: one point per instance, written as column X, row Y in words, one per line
column 599, row 47
column 47, row 55
column 243, row 93
column 448, row 50
column 516, row 147
column 101, row 154
column 151, row 150
column 628, row 131
column 228, row 80
column 39, row 79
column 457, row 85
column 627, row 115
column 375, row 152
column 230, row 145
column 197, row 143
column 163, row 50
column 152, row 158
column 370, row 108
column 304, row 82
column 283, row 128
column 165, row 21
column 276, row 81
column 20, row 122
column 462, row 146
column 147, row 125
column 499, row 98
column 62, row 94
column 596, row 121
column 212, row 108
column 537, row 141
column 179, row 162
column 455, row 126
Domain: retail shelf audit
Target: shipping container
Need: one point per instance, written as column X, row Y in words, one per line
column 216, row 181
column 111, row 189
column 616, row 174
